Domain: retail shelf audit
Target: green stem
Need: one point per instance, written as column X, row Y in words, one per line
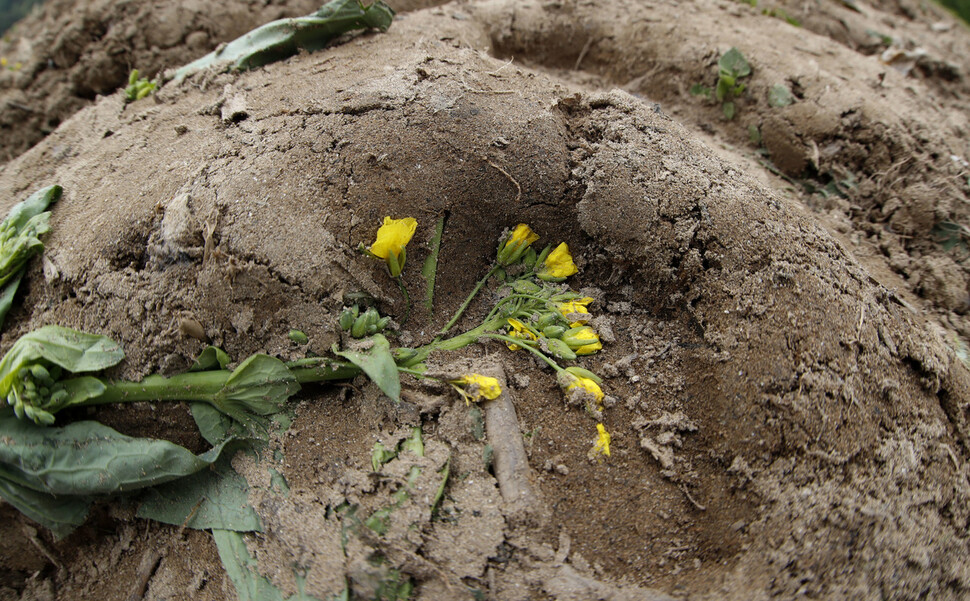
column 512, row 297
column 469, row 337
column 204, row 385
column 520, row 344
column 468, row 300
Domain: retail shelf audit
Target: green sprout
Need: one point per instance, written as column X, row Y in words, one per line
column 138, row 88
column 732, row 67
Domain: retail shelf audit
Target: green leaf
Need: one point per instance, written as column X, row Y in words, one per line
column 61, row 515
column 779, row 95
column 32, row 206
column 214, row 498
column 210, row 359
column 214, row 425
column 89, row 458
column 378, row 363
column 74, row 351
column 243, row 571
column 430, row 268
column 734, row 64
column 281, row 39
column 20, row 235
column 80, row 390
column 723, row 89
column 7, row 295
column 53, row 475
column 700, row 90
column 729, row 110
column 754, row 134
column 260, row 385
column 415, row 443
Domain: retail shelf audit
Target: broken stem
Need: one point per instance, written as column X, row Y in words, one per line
column 468, row 300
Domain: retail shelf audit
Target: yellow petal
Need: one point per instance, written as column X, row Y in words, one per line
column 393, row 236
column 602, row 442
column 586, row 385
column 580, row 336
column 522, row 234
column 559, row 263
column 477, row 387
column 589, row 349
column 519, row 330
column 574, row 311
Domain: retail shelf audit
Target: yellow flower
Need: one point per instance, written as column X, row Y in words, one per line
column 583, row 340
column 3, row 61
column 581, row 389
column 520, row 331
column 574, row 311
column 515, row 244
column 476, row 387
column 602, row 445
column 558, row 265
column 392, row 238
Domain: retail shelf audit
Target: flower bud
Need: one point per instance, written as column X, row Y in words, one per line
column 580, row 336
column 559, row 348
column 526, row 287
column 515, row 244
column 553, row 331
column 347, row 317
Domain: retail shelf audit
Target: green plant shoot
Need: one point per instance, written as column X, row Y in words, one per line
column 20, row 240
column 138, row 88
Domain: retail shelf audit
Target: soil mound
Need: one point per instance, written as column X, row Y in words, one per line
column 783, row 424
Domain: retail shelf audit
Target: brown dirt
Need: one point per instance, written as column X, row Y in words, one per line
column 71, row 51
column 787, row 418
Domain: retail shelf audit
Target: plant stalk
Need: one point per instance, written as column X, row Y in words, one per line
column 468, row 300
column 203, row 385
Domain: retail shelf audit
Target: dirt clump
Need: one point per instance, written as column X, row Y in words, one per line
column 783, row 424
column 65, row 54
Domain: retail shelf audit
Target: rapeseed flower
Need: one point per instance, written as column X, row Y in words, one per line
column 476, row 387
column 575, row 311
column 583, row 340
column 581, row 389
column 521, row 331
column 602, row 445
column 515, row 244
column 558, row 265
column 392, row 238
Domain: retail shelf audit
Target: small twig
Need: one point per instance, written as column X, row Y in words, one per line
column 518, row 197
column 22, row 107
column 693, row 502
column 146, row 569
column 50, row 555
column 495, row 72
column 583, row 52
column 510, row 460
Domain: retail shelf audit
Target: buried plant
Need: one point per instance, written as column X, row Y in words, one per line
column 52, row 369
